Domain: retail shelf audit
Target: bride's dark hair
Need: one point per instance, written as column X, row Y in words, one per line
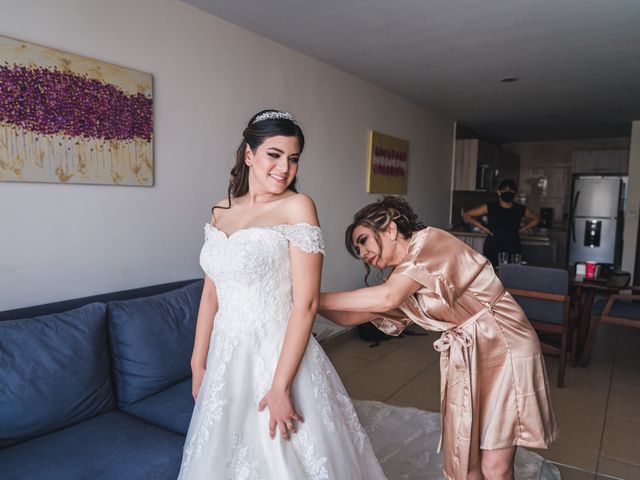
column 377, row 216
column 254, row 135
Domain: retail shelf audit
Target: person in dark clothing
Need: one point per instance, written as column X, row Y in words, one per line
column 504, row 219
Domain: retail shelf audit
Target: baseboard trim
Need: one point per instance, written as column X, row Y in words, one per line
column 339, row 338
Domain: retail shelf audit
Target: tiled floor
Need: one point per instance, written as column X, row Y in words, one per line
column 598, row 409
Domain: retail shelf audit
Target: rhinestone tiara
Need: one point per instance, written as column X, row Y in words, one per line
column 274, row 116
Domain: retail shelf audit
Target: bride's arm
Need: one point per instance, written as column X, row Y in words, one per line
column 306, row 270
column 204, row 327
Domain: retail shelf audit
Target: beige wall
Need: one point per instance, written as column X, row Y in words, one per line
column 630, row 235
column 66, row 241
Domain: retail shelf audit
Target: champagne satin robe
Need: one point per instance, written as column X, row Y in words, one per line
column 494, row 388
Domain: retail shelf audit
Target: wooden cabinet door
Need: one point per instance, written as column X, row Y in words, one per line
column 466, row 162
column 600, row 162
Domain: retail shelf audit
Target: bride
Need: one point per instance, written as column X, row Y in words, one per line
column 269, row 404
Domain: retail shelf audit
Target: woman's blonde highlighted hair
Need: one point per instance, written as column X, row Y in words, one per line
column 377, row 216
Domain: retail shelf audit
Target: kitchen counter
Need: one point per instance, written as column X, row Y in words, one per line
column 545, row 247
column 536, row 237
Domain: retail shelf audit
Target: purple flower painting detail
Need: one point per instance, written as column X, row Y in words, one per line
column 65, row 118
column 388, row 157
column 51, row 102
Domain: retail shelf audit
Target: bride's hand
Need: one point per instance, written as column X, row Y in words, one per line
column 283, row 412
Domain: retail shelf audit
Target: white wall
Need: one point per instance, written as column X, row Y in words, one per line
column 66, row 241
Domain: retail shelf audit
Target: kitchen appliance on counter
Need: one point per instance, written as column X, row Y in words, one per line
column 546, row 219
column 595, row 226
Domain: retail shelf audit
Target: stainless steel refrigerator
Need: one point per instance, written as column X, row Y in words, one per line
column 595, row 231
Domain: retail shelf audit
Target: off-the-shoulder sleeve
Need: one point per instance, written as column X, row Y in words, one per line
column 307, row 238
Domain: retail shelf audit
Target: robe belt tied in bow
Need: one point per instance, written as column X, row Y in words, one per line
column 453, row 345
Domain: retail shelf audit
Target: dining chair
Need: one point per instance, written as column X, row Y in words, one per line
column 543, row 294
column 619, row 309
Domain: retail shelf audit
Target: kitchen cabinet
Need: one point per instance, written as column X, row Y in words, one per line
column 466, row 164
column 559, row 239
column 600, row 162
column 541, row 248
column 480, row 165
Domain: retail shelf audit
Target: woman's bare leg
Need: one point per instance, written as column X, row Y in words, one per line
column 498, row 464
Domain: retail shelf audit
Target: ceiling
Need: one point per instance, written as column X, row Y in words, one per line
column 577, row 61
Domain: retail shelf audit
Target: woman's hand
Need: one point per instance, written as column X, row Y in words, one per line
column 196, row 380
column 282, row 412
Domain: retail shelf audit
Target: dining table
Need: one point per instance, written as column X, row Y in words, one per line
column 584, row 292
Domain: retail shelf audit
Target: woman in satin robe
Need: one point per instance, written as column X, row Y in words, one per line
column 494, row 388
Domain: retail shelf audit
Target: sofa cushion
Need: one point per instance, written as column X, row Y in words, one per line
column 151, row 340
column 170, row 409
column 54, row 371
column 110, row 446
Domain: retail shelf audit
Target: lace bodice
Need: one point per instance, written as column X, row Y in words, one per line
column 248, row 254
column 251, row 269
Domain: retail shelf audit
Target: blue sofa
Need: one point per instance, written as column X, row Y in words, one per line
column 98, row 388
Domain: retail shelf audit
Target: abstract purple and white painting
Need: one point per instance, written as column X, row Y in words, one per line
column 71, row 119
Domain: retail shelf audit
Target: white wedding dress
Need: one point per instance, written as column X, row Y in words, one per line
column 228, row 438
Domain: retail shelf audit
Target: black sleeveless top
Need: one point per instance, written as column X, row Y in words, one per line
column 505, row 225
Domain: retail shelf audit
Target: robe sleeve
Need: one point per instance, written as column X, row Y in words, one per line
column 414, row 265
column 444, row 267
column 441, row 262
column 392, row 323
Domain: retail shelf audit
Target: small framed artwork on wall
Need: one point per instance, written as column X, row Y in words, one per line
column 65, row 118
column 388, row 160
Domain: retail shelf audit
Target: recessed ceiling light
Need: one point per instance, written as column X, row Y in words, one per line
column 509, row 79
